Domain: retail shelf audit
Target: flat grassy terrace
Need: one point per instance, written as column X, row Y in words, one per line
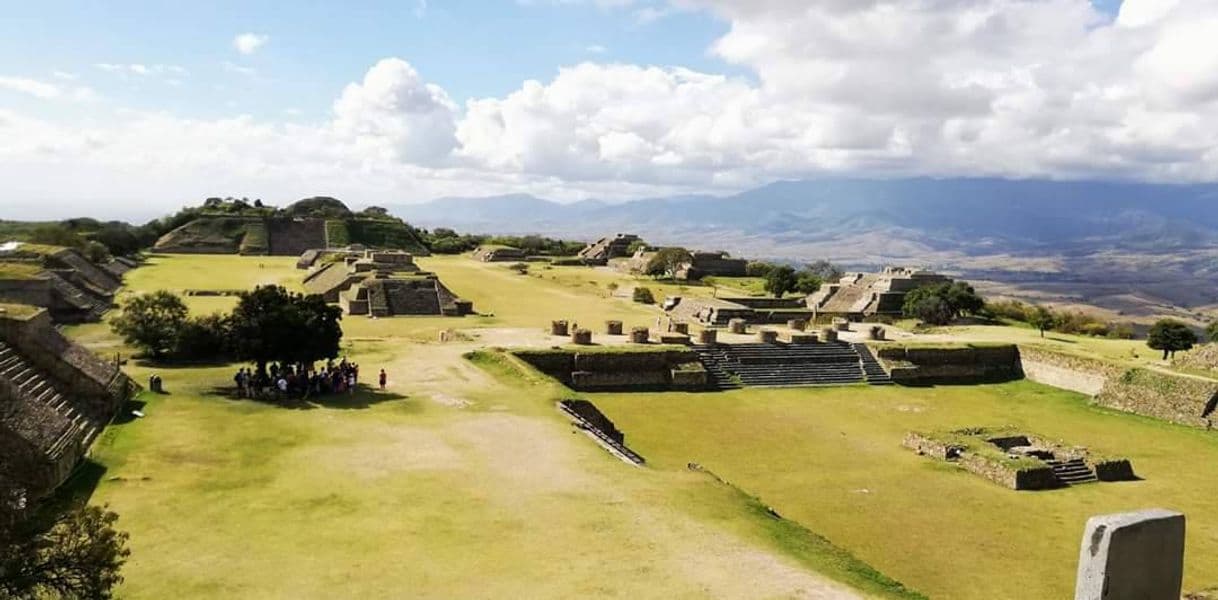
column 460, row 480
column 832, row 459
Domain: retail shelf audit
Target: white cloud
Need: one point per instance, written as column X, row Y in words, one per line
column 1022, row 88
column 47, row 91
column 249, row 43
column 595, row 49
column 140, row 69
column 232, row 67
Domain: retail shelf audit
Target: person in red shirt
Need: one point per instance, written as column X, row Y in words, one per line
column 383, row 378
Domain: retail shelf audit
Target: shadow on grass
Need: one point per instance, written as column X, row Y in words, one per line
column 365, row 396
column 125, row 413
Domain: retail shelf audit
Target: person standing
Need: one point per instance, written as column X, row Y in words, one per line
column 383, row 379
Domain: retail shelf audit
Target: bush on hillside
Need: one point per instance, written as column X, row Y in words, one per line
column 643, row 295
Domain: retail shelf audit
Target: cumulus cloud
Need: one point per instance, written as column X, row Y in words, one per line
column 1022, row 88
column 249, row 43
column 45, row 90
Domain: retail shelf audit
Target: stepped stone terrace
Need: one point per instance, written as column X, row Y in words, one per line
column 492, row 253
column 56, row 397
column 382, row 283
column 721, row 311
column 59, row 279
column 603, row 250
column 1019, row 460
column 857, row 296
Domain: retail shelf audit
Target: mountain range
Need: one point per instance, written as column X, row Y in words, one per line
column 1157, row 242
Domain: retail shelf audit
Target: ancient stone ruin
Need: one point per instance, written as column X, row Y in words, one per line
column 383, row 283
column 719, row 312
column 589, row 418
column 604, row 249
column 661, row 368
column 1132, row 556
column 1019, row 460
column 315, row 256
column 490, row 253
column 858, row 296
column 770, row 363
column 61, row 280
column 56, row 397
column 702, row 264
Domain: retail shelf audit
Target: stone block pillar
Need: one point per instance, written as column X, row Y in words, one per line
column 582, row 337
column 797, row 325
column 1132, row 556
column 829, row 334
column 613, row 327
column 559, row 328
column 738, row 326
column 708, row 337
column 767, row 336
column 640, row 335
column 678, row 327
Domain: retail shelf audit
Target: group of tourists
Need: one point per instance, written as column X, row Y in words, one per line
column 300, row 381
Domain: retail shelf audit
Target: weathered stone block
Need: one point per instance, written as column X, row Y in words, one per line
column 1132, row 556
column 804, row 338
column 559, row 328
column 674, row 338
column 829, row 334
column 679, row 328
column 797, row 324
column 767, row 336
column 640, row 335
column 841, row 325
column 708, row 337
column 582, row 337
column 738, row 326
column 613, row 327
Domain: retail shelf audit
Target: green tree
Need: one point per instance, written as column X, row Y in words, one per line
column 780, row 280
column 758, row 268
column 151, row 322
column 80, row 556
column 666, row 262
column 273, row 324
column 930, row 308
column 1042, row 319
column 56, row 234
column 1171, row 336
column 963, row 298
column 807, row 282
column 1211, row 332
column 643, row 295
column 203, row 338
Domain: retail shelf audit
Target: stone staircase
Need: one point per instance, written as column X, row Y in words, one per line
column 89, row 307
column 873, row 371
column 780, row 365
column 1072, row 472
column 30, row 382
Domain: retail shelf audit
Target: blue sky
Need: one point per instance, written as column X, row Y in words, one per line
column 470, row 48
column 140, row 106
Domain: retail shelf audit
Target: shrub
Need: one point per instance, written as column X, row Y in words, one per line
column 202, row 338
column 643, row 295
column 521, row 268
column 758, row 268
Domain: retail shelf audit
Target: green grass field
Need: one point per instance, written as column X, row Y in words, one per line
column 455, row 482
column 462, row 480
column 832, row 460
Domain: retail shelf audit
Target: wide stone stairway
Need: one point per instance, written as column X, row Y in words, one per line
column 780, row 365
column 71, row 425
column 872, row 370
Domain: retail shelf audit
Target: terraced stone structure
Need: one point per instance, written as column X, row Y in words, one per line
column 859, row 296
column 499, row 254
column 719, row 312
column 385, row 295
column 603, row 250
column 56, row 397
column 61, row 280
column 1019, row 460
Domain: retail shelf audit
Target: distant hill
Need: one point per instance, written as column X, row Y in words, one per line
column 227, row 226
column 1125, row 237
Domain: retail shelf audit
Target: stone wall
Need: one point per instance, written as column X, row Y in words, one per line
column 1176, row 398
column 964, row 364
column 1063, row 371
column 620, row 370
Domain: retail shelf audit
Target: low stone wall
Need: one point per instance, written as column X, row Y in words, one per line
column 1073, row 373
column 1176, row 398
column 642, row 370
column 1009, row 476
column 964, row 364
column 1114, row 469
